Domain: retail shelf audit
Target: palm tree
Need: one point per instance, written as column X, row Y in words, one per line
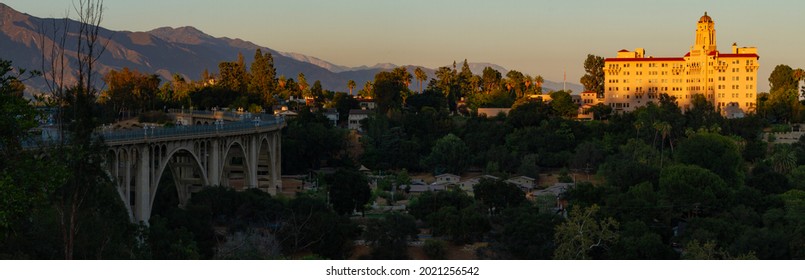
column 351, row 86
column 638, row 125
column 538, row 80
column 783, row 159
column 664, row 128
column 421, row 76
column 527, row 81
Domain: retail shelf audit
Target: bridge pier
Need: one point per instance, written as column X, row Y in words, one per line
column 143, row 188
column 252, row 162
column 214, row 163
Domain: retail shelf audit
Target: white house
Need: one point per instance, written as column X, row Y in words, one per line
column 447, row 178
column 355, row 118
column 366, row 103
column 524, row 182
column 467, row 185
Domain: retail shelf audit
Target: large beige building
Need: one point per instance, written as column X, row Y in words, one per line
column 633, row 79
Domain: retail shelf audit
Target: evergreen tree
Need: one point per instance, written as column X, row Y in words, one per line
column 593, row 80
column 263, row 80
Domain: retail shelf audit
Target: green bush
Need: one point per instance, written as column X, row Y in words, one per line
column 435, row 249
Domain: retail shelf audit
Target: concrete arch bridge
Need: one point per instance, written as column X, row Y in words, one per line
column 241, row 154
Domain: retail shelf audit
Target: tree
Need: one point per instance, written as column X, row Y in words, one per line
column 403, row 75
column 130, row 90
column 388, row 236
column 491, row 79
column 498, row 195
column 584, row 233
column 663, row 128
column 696, row 250
column 464, row 225
column 302, row 84
column 782, row 105
column 783, row 159
column 782, row 78
column 538, row 81
column 692, row 190
column 388, row 90
column 317, row 92
column 82, row 152
column 308, row 140
column 263, row 80
column 527, row 82
column 233, row 75
column 638, row 242
column 343, row 104
column 593, row 80
column 515, row 83
column 351, row 86
column 765, row 179
column 349, row 191
column 449, row 154
column 249, row 245
column 797, row 178
column 714, row 152
column 24, row 190
column 18, row 115
column 528, row 166
column 435, row 249
column 702, row 114
column 445, row 81
column 563, row 105
column 421, row 76
column 430, row 202
column 528, row 233
column 368, row 90
column 601, row 112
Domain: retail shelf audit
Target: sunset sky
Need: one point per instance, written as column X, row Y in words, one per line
column 535, row 37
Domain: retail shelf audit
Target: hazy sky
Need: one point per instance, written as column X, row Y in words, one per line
column 535, row 37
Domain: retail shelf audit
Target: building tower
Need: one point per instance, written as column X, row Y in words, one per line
column 705, row 36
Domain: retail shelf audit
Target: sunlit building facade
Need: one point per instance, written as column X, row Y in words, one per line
column 633, row 79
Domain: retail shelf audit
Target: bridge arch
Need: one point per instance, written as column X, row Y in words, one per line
column 181, row 155
column 236, row 161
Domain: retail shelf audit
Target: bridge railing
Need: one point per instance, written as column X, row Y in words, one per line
column 154, row 133
column 191, row 130
column 212, row 114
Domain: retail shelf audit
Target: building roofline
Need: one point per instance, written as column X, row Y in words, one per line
column 645, row 59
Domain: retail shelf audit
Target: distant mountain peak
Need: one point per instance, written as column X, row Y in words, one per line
column 184, row 34
column 9, row 14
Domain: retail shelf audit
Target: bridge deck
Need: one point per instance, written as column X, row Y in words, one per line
column 243, row 124
column 263, row 123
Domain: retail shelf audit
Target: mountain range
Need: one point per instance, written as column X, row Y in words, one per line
column 184, row 50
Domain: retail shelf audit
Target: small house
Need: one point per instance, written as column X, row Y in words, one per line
column 355, row 118
column 447, row 178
